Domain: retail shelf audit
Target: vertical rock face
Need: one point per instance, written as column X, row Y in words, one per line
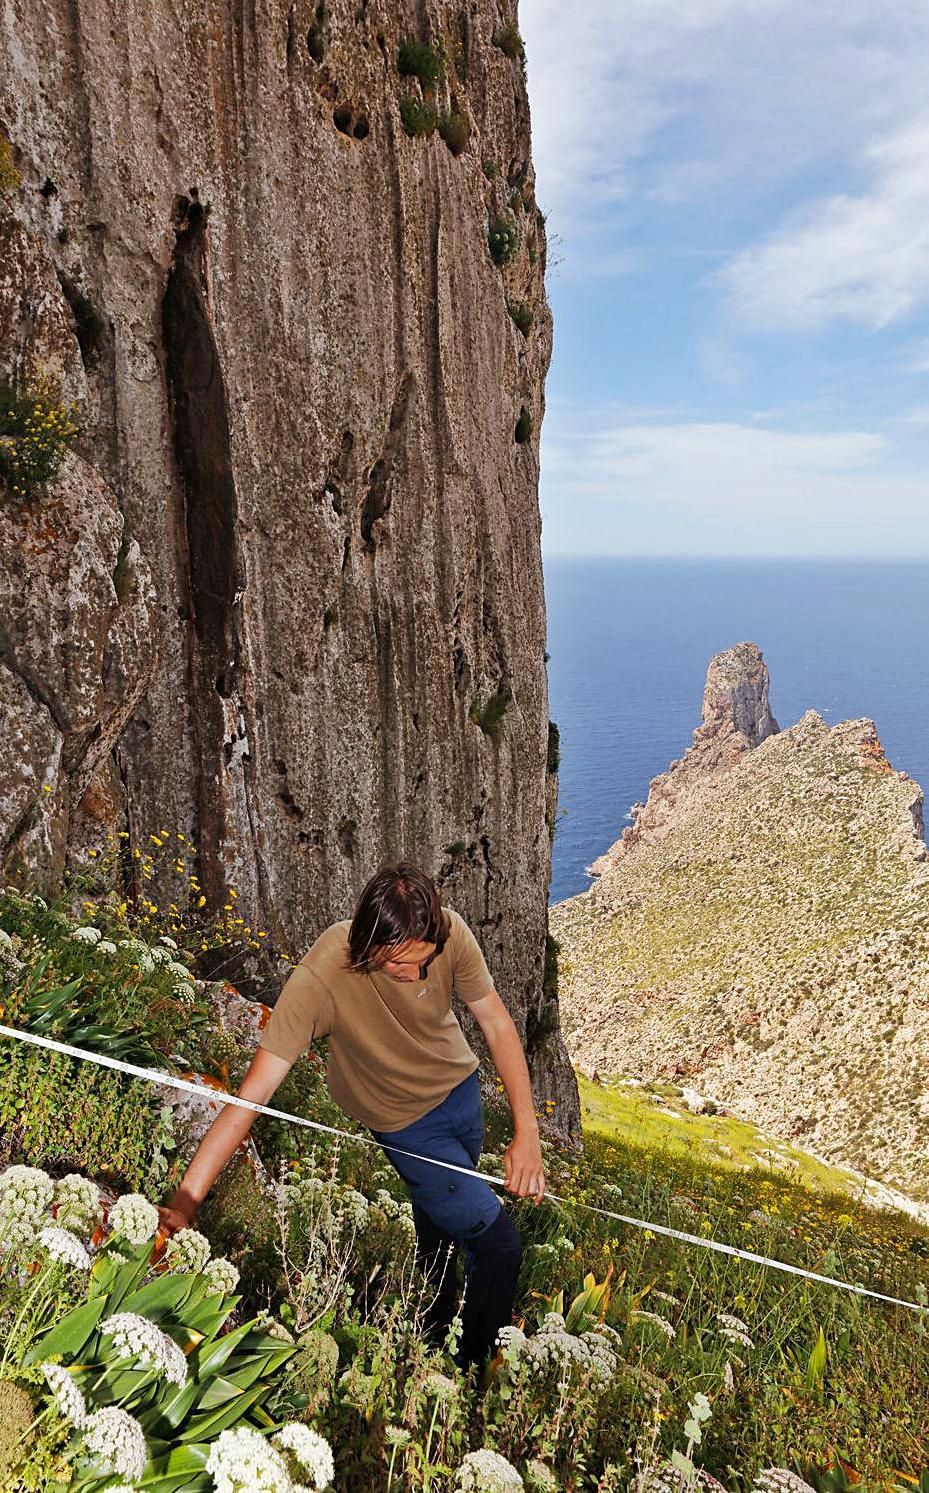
column 736, row 717
column 297, row 548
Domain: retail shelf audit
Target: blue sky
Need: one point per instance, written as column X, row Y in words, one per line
column 738, row 209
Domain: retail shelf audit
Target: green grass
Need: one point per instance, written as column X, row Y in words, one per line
column 631, row 1115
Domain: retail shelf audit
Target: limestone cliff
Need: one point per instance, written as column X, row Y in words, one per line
column 769, row 944
column 286, row 595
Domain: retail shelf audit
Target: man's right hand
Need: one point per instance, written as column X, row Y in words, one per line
column 170, row 1220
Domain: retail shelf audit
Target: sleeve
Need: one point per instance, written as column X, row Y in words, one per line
column 303, row 1012
column 471, row 979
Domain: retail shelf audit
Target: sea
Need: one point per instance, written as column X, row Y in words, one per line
column 629, row 642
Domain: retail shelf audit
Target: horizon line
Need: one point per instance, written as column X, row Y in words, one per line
column 856, row 559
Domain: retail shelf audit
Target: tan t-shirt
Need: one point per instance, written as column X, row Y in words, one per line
column 395, row 1049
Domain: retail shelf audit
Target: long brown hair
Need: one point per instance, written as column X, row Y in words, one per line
column 399, row 905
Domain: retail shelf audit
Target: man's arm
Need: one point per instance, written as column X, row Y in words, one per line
column 227, row 1132
column 522, row 1161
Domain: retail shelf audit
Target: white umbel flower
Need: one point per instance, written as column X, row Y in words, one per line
column 65, row 1247
column 733, row 1329
column 106, row 946
column 440, row 1387
column 71, row 1403
column 512, row 1341
column 242, row 1461
column 309, row 1449
column 77, row 1202
column 222, row 1275
column 168, row 942
column 133, row 1218
column 117, row 1441
column 137, row 1338
column 779, row 1480
column 25, row 1190
column 487, row 1472
column 186, row 1251
column 25, row 1194
column 89, row 935
column 656, row 1320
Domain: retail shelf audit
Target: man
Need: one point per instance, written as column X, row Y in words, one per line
column 380, row 989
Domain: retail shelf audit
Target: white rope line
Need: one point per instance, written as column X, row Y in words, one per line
column 220, row 1096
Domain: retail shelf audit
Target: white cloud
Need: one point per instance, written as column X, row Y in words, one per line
column 687, row 100
column 861, row 258
column 729, row 488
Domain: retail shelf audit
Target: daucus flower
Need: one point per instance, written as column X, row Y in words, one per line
column 512, row 1341
column 65, row 1393
column 656, row 1320
column 779, row 1480
column 222, row 1275
column 65, row 1247
column 77, row 1201
column 242, row 1461
column 487, row 1472
column 87, row 935
column 25, row 1191
column 541, row 1478
column 397, row 1436
column 733, row 1329
column 106, row 946
column 137, row 1338
column 440, row 1387
column 133, row 1218
column 117, row 1441
column 311, row 1451
column 187, row 1250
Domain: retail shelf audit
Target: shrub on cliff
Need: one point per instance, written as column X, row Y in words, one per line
column 36, row 432
column 502, row 240
column 419, row 117
column 511, row 44
column 455, row 129
column 417, row 59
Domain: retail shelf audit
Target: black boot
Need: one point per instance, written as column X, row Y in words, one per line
column 490, row 1286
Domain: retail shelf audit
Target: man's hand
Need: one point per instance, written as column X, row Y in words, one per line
column 170, row 1220
column 523, row 1171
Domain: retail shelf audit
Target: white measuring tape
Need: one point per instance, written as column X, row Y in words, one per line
column 219, row 1096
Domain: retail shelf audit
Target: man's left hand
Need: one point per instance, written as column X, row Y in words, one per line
column 523, row 1171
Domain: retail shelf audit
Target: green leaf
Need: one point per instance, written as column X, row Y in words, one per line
column 210, row 1357
column 220, row 1391
column 69, row 1337
column 159, row 1297
column 172, row 1407
column 209, row 1426
column 816, row 1367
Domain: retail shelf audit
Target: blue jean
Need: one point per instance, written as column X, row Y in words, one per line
column 461, row 1207
column 450, row 1209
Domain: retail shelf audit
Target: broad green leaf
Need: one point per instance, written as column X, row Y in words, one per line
column 210, row 1357
column 159, row 1297
column 173, row 1404
column 70, row 1335
column 203, row 1427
